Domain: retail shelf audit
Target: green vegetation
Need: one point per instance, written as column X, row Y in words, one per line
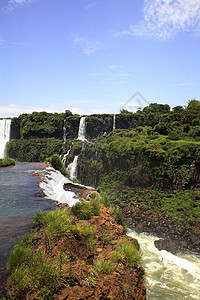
column 127, row 252
column 84, row 210
column 103, row 266
column 6, row 162
column 39, row 268
column 57, row 164
column 35, row 271
column 56, row 222
column 33, row 150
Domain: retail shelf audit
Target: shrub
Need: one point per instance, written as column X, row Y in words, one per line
column 85, row 210
column 58, row 164
column 18, row 257
column 6, row 162
column 56, row 222
column 38, row 273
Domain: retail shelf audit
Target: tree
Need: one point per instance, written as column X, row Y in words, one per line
column 193, row 105
column 178, row 109
column 157, row 108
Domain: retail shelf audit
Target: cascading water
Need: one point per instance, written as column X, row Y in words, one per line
column 82, row 129
column 65, row 156
column 168, row 276
column 4, row 135
column 71, row 169
column 64, row 133
column 114, row 122
column 81, row 136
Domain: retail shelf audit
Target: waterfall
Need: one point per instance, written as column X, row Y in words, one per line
column 4, row 135
column 71, row 169
column 64, row 133
column 168, row 276
column 81, row 136
column 114, row 122
column 82, row 129
column 65, row 155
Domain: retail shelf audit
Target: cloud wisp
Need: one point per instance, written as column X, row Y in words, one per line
column 87, row 45
column 19, row 2
column 164, row 19
column 91, row 5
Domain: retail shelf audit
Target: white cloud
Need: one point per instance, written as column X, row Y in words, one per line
column 87, row 45
column 122, row 75
column 13, row 110
column 91, row 5
column 183, row 84
column 20, row 2
column 115, row 66
column 163, row 19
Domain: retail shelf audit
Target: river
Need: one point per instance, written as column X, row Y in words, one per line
column 20, row 198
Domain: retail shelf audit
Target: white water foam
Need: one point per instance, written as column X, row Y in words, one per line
column 71, row 169
column 168, row 276
column 52, row 186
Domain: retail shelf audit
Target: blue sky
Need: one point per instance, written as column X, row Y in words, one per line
column 91, row 56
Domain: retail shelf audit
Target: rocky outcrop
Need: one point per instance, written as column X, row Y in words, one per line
column 90, row 270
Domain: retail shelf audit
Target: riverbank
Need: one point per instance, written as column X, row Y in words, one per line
column 85, row 253
column 174, row 237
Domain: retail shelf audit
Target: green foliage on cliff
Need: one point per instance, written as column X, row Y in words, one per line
column 6, row 162
column 34, row 150
column 58, row 164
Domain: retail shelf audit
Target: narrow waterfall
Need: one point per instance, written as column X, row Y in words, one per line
column 114, row 122
column 4, row 135
column 168, row 276
column 71, row 169
column 65, row 155
column 81, row 136
column 82, row 129
column 64, row 133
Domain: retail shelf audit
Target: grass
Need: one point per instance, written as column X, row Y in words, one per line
column 103, row 266
column 38, row 273
column 56, row 222
column 85, row 210
column 127, row 252
column 118, row 215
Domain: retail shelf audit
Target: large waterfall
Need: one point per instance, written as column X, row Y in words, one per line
column 82, row 129
column 4, row 135
column 168, row 276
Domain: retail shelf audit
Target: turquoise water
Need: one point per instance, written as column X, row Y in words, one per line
column 20, row 198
